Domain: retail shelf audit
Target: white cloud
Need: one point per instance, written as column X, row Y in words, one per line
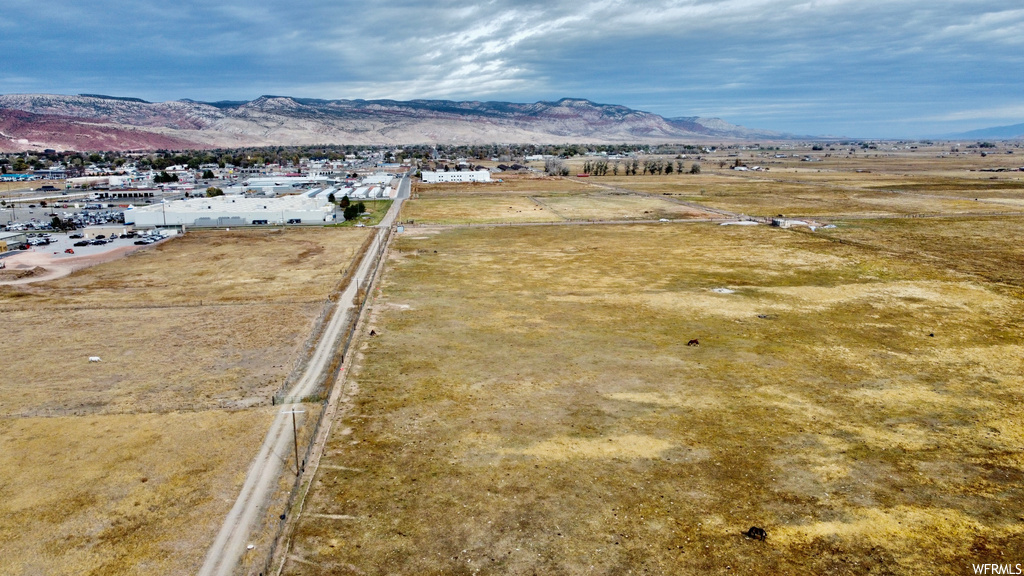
column 740, row 59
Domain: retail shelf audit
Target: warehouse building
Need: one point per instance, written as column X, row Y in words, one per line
column 13, row 241
column 223, row 211
column 456, row 176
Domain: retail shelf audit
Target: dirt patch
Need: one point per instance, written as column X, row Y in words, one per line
column 21, row 272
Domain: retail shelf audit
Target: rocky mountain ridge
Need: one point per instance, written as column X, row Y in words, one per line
column 96, row 122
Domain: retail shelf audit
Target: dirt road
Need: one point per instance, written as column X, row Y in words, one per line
column 264, row 473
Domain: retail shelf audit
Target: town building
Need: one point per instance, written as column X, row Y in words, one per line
column 456, row 176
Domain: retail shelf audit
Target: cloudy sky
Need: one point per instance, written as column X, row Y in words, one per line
column 867, row 68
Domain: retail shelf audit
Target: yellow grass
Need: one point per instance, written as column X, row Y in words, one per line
column 140, row 463
column 529, row 405
column 477, row 209
column 130, row 494
column 511, row 184
column 618, row 207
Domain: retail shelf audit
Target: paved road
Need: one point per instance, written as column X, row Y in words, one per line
column 265, row 471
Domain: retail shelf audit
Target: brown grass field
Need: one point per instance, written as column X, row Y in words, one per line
column 129, row 465
column 479, row 209
column 210, row 320
column 530, row 406
column 512, row 184
column 768, row 194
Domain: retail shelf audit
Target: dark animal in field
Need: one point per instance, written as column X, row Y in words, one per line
column 373, row 332
column 756, row 533
column 693, row 342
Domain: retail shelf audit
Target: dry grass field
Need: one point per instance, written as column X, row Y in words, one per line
column 126, row 494
column 476, row 209
column 479, row 209
column 209, row 320
column 129, row 465
column 768, row 194
column 512, row 184
column 618, row 206
column 529, row 405
column 988, row 249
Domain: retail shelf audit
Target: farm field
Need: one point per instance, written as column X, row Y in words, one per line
column 479, row 209
column 476, row 209
column 512, row 184
column 773, row 193
column 529, row 404
column 986, row 248
column 129, row 465
column 619, row 207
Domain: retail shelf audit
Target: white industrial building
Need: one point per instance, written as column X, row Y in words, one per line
column 430, row 177
column 279, row 184
column 220, row 211
column 378, row 178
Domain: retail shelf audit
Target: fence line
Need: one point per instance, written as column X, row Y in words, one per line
column 329, row 379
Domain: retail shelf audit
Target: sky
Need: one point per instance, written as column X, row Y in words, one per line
column 858, row 68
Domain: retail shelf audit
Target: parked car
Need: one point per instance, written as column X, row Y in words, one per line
column 74, row 236
column 82, row 243
column 69, row 251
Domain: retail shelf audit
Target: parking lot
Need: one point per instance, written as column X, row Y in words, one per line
column 60, row 241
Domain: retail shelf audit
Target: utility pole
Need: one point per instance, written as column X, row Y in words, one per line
column 295, row 438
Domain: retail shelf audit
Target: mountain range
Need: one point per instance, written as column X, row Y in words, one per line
column 1013, row 132
column 96, row 122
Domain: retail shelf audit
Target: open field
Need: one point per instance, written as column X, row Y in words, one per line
column 618, row 206
column 146, row 450
column 547, row 208
column 770, row 194
column 986, row 248
column 530, row 405
column 476, row 209
column 512, row 184
column 127, row 494
column 212, row 319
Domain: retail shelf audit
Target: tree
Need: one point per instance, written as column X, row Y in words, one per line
column 56, row 223
column 330, row 198
column 212, row 191
column 555, row 167
column 350, row 212
column 668, row 167
column 344, row 201
column 208, row 175
column 695, row 168
column 360, row 207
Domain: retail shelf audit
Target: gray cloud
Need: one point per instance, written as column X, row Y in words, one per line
column 797, row 65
